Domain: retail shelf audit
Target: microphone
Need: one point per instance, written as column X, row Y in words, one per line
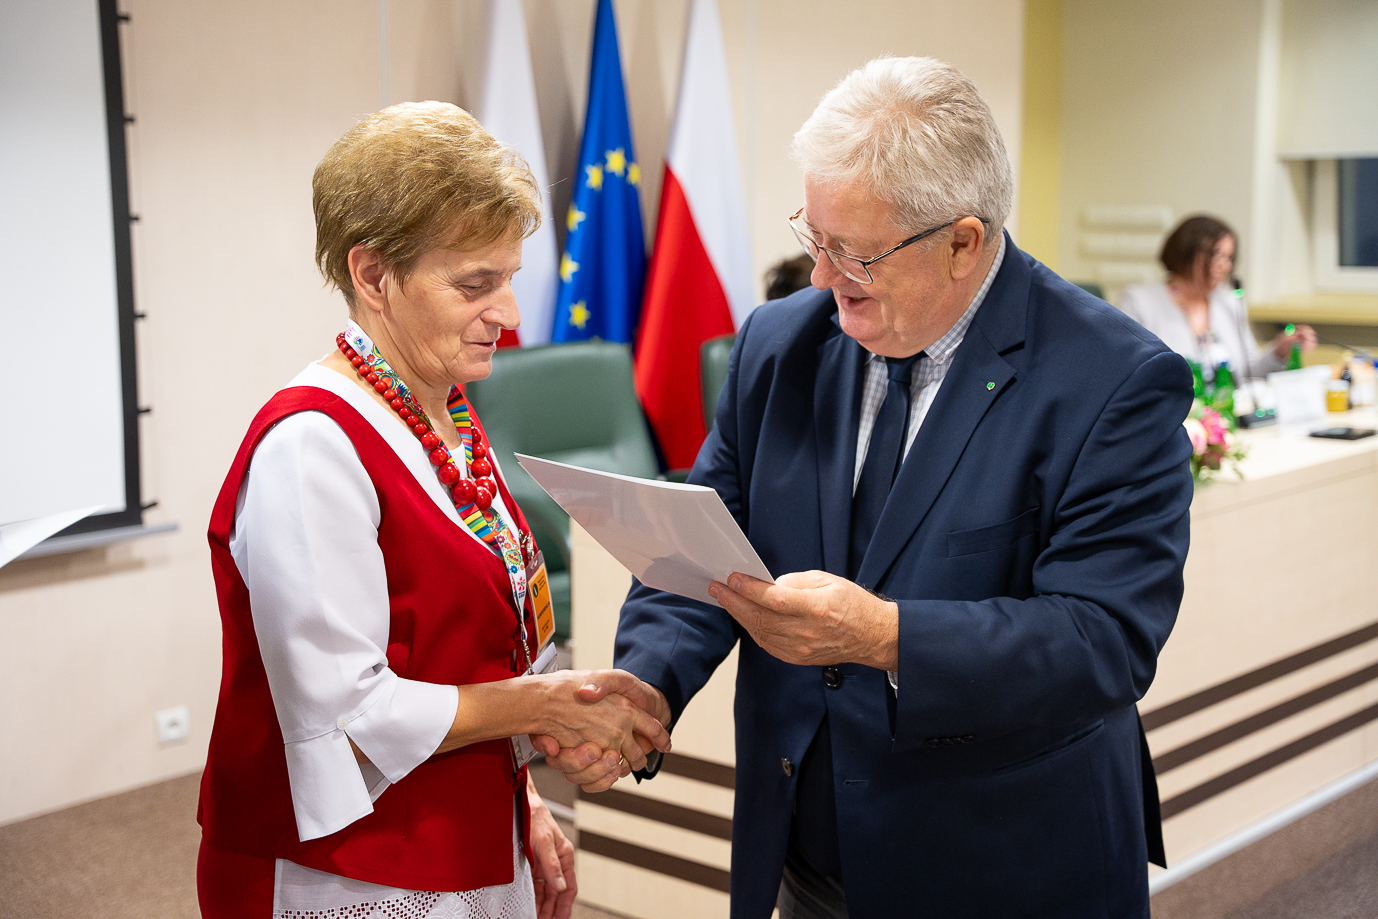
column 1254, row 416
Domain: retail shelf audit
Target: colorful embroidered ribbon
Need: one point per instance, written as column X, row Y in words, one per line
column 458, row 407
column 489, row 525
column 495, row 532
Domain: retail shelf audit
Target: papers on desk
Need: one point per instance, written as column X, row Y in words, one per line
column 674, row 537
column 1300, row 397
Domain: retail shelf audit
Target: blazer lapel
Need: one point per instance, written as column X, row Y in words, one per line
column 978, row 377
column 837, row 416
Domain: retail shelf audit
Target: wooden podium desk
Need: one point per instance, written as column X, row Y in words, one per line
column 660, row 848
column 1266, row 692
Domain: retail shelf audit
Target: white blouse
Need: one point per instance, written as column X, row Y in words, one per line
column 1153, row 307
column 305, row 541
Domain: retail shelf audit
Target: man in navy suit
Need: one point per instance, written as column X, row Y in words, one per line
column 977, row 477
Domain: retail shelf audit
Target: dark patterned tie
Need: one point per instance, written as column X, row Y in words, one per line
column 814, row 829
column 883, row 457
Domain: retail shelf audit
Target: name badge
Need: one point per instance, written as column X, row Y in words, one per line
column 522, row 750
column 538, row 589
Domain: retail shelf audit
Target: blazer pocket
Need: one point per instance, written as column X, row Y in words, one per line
column 997, row 536
column 1074, row 739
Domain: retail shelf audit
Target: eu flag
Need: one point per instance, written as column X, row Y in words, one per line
column 605, row 252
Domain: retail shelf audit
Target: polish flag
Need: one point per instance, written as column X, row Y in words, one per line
column 507, row 109
column 698, row 284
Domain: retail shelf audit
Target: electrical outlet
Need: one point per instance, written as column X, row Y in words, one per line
column 172, row 724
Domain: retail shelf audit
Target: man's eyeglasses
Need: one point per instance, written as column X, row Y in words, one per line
column 856, row 269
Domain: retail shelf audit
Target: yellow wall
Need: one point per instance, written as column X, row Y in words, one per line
column 1041, row 147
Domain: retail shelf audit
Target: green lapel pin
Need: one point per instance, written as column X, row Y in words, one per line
column 990, row 385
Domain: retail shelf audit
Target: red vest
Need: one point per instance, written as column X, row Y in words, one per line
column 448, row 824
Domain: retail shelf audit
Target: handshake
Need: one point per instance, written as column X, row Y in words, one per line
column 598, row 726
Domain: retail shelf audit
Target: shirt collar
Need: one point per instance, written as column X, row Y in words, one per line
column 941, row 351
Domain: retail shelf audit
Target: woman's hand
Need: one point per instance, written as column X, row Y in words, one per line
column 608, row 708
column 552, row 866
column 606, row 711
column 589, row 766
column 1302, row 335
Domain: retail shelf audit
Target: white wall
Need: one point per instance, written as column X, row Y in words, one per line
column 235, row 105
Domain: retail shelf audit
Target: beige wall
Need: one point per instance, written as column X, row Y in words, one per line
column 1329, row 62
column 1198, row 107
column 235, row 104
column 778, row 69
column 1158, row 108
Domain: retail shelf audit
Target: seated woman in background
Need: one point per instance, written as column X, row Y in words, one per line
column 1198, row 313
column 376, row 579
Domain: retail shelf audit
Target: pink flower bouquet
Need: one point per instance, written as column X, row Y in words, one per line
column 1213, row 444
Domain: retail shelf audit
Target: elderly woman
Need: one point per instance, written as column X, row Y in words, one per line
column 1197, row 314
column 375, row 578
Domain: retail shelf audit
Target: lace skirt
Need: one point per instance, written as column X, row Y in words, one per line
column 238, row 885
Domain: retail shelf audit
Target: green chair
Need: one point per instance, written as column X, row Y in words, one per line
column 572, row 403
column 713, row 355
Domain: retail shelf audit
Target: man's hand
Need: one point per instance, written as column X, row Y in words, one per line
column 589, row 766
column 552, row 867
column 640, row 693
column 813, row 617
column 608, row 708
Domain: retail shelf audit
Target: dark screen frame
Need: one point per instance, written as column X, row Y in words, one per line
column 115, row 121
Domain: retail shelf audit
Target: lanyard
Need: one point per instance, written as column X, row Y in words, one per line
column 488, row 525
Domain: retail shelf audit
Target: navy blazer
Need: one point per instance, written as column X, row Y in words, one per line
column 1034, row 541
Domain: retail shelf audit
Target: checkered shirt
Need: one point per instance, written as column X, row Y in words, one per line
column 929, row 373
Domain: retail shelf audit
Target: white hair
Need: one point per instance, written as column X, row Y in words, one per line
column 915, row 133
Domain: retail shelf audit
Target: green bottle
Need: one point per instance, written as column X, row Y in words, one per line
column 1198, row 382
column 1294, row 358
column 1222, row 399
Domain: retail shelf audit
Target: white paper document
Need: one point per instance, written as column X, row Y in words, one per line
column 18, row 538
column 671, row 536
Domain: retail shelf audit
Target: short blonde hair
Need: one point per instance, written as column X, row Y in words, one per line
column 914, row 132
column 416, row 177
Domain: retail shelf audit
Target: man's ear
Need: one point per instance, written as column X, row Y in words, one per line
column 965, row 246
column 367, row 273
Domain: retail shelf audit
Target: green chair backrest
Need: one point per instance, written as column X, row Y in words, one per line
column 713, row 355
column 572, row 403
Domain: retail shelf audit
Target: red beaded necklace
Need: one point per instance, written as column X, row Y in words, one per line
column 473, row 496
column 479, row 489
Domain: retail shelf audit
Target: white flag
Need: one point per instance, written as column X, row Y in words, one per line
column 507, row 109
